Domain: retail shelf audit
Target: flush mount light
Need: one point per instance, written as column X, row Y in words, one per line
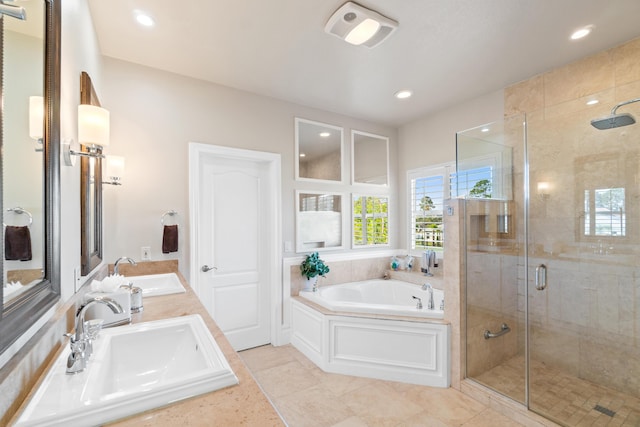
column 581, row 32
column 403, row 94
column 144, row 19
column 360, row 26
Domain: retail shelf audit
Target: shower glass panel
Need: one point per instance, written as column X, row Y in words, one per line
column 495, row 253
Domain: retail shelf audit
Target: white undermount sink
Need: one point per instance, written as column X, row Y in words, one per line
column 157, row 284
column 134, row 368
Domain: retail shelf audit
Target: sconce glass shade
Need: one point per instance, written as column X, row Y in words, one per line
column 93, row 125
column 114, row 170
column 36, row 117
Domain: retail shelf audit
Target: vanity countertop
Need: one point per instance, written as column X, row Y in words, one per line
column 243, row 404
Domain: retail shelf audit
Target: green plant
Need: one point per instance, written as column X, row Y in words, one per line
column 313, row 266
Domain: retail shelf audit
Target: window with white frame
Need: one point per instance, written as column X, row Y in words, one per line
column 430, row 187
column 370, row 220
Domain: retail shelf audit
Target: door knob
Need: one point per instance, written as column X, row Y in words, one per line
column 206, row 268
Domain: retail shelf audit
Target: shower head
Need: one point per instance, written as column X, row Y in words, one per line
column 614, row 120
column 11, row 10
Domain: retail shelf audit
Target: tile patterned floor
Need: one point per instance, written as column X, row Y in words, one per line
column 566, row 399
column 306, row 396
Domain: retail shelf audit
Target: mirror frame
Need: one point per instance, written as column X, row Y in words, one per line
column 383, row 139
column 297, row 122
column 299, row 243
column 90, row 254
column 20, row 314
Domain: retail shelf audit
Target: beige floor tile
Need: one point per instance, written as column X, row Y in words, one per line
column 422, row 419
column 490, row 418
column 315, row 406
column 379, row 404
column 264, row 357
column 351, row 422
column 285, row 379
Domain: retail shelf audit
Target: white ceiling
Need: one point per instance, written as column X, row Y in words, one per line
column 445, row 51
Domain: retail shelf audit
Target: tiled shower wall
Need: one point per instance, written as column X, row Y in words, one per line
column 587, row 322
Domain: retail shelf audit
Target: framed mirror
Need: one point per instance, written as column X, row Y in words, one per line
column 30, row 157
column 369, row 220
column 370, row 159
column 318, row 221
column 90, row 192
column 318, row 151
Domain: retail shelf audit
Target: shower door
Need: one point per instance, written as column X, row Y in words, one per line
column 583, row 233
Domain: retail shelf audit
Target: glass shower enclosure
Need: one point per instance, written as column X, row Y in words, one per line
column 551, row 265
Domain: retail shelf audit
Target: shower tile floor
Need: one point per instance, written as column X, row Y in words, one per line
column 306, row 396
column 567, row 399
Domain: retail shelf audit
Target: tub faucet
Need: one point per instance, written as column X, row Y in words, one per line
column 124, row 258
column 81, row 346
column 428, row 287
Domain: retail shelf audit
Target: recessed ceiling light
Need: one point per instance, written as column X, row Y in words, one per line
column 592, row 102
column 144, row 19
column 403, row 94
column 325, row 134
column 581, row 32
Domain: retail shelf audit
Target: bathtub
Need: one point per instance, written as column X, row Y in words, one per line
column 378, row 296
column 361, row 334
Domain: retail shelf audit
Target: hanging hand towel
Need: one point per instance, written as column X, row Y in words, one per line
column 170, row 239
column 17, row 243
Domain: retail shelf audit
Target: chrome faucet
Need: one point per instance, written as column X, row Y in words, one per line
column 124, row 258
column 428, row 287
column 81, row 345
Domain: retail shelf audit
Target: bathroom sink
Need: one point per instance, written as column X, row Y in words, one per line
column 157, row 284
column 133, row 368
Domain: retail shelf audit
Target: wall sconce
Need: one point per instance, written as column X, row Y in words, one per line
column 36, row 120
column 544, row 190
column 114, row 170
column 93, row 133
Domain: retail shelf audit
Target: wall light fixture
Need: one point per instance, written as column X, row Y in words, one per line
column 93, row 133
column 36, row 120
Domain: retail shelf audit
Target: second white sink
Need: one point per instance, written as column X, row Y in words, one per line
column 157, row 284
column 133, row 368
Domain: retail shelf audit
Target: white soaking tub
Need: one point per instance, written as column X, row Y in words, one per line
column 362, row 335
column 378, row 296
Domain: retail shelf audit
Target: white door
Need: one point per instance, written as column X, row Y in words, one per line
column 234, row 235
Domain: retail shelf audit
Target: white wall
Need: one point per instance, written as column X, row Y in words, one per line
column 432, row 140
column 155, row 114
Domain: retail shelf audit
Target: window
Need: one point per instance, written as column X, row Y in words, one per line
column 430, row 187
column 370, row 220
column 604, row 212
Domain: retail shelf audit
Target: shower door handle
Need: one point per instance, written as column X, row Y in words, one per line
column 541, row 277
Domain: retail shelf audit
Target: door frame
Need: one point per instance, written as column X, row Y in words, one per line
column 274, row 241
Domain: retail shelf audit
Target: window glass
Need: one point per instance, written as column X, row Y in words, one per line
column 370, row 220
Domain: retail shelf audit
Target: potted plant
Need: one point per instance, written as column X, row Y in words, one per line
column 312, row 267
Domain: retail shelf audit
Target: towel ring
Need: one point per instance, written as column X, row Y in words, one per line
column 170, row 213
column 19, row 210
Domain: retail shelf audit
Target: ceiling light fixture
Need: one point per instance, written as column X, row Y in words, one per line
column 144, row 19
column 581, row 32
column 360, row 26
column 403, row 94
